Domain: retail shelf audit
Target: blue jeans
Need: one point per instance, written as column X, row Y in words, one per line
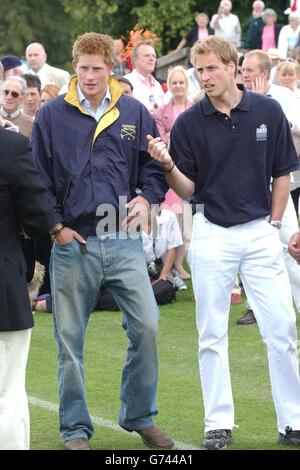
column 75, row 281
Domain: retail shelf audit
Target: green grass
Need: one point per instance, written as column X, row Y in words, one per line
column 179, row 394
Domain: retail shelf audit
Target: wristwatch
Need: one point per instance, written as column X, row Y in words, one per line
column 276, row 224
column 55, row 230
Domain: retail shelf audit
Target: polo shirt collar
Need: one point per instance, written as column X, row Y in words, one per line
column 244, row 105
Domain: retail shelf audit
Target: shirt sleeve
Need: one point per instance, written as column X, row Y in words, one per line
column 41, row 147
column 180, row 149
column 174, row 234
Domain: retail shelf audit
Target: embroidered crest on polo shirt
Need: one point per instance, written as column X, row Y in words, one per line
column 128, row 132
column 261, row 133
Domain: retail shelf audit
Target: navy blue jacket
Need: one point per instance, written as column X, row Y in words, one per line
column 24, row 202
column 87, row 163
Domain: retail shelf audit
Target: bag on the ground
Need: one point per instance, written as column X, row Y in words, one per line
column 164, row 291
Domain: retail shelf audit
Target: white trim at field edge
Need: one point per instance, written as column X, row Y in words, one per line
column 106, row 423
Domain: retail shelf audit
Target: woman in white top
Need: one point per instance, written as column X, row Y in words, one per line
column 289, row 36
column 288, row 75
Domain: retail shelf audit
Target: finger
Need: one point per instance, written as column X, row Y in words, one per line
column 153, row 139
column 152, row 146
column 130, row 204
column 129, row 224
column 79, row 238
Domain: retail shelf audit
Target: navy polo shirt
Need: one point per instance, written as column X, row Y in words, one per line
column 231, row 159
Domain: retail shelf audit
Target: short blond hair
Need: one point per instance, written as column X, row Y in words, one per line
column 288, row 68
column 225, row 51
column 94, row 43
column 264, row 61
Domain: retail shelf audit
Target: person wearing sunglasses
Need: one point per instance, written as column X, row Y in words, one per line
column 14, row 90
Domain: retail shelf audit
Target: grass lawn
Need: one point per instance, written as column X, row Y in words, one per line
column 179, row 395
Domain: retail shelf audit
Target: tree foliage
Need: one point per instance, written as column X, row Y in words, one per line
column 35, row 20
column 56, row 23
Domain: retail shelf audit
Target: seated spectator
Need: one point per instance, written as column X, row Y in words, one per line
column 159, row 247
column 199, row 31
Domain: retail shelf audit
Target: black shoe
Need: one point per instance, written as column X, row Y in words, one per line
column 290, row 438
column 248, row 318
column 217, row 439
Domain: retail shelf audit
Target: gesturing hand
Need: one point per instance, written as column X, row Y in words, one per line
column 158, row 150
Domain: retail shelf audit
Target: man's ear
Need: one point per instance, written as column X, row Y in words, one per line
column 265, row 74
column 232, row 67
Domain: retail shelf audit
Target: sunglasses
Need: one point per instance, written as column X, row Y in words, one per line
column 14, row 94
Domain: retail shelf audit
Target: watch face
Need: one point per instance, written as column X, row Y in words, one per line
column 276, row 224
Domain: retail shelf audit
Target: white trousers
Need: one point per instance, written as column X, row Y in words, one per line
column 254, row 250
column 14, row 412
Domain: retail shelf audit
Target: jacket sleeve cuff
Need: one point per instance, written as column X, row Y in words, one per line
column 151, row 197
column 57, row 218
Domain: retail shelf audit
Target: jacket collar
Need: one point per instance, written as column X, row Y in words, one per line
column 115, row 90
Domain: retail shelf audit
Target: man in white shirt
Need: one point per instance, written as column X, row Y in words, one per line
column 226, row 25
column 36, row 64
column 145, row 88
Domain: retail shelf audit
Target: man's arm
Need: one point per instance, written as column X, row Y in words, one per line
column 33, row 206
column 280, row 195
column 182, row 185
column 41, row 144
column 168, row 264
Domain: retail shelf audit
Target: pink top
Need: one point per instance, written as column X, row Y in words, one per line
column 202, row 33
column 165, row 116
column 268, row 38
